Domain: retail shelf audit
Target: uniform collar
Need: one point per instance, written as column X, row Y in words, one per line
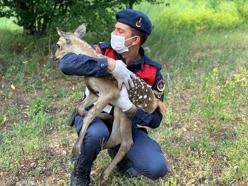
column 140, row 61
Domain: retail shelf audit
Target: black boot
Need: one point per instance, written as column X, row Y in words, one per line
column 80, row 177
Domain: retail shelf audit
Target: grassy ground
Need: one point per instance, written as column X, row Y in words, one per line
column 204, row 132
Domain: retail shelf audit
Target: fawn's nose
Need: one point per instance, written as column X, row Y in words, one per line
column 55, row 59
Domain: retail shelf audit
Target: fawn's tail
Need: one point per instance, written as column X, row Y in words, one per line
column 161, row 106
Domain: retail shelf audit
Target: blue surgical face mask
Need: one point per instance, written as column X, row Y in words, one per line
column 118, row 43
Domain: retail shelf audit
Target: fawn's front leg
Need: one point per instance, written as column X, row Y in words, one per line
column 88, row 101
column 100, row 104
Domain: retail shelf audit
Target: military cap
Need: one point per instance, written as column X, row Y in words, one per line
column 136, row 19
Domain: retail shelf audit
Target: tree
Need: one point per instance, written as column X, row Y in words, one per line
column 130, row 3
column 39, row 16
column 34, row 15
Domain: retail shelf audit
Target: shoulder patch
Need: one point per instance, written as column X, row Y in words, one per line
column 161, row 85
column 159, row 89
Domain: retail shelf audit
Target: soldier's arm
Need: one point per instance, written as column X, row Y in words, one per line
column 82, row 65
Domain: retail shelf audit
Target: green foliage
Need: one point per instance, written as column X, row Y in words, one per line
column 238, row 157
column 35, row 16
column 38, row 105
column 214, row 4
column 181, row 20
column 7, row 24
column 169, row 116
column 24, row 140
column 2, row 120
column 38, row 16
column 242, row 8
column 221, row 97
column 176, row 19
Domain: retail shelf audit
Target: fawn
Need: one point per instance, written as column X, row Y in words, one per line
column 141, row 95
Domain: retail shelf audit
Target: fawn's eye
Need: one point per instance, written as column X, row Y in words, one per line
column 58, row 46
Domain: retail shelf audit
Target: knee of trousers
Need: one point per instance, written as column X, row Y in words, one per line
column 158, row 170
column 96, row 133
column 95, row 137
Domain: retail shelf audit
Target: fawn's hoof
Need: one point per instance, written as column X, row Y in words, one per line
column 75, row 152
column 81, row 111
column 103, row 179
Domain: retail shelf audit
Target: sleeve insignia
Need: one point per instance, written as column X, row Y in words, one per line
column 161, row 85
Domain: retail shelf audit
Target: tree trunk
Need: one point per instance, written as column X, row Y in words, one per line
column 23, row 11
column 129, row 5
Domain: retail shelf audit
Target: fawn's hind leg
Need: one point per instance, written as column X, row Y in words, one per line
column 126, row 143
column 115, row 136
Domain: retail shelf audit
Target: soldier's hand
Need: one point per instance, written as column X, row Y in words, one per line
column 122, row 74
column 123, row 101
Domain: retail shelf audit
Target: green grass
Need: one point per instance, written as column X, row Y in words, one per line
column 204, row 132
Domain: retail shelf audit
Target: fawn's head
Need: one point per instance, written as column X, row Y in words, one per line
column 71, row 42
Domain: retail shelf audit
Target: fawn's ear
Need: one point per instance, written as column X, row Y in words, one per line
column 64, row 35
column 80, row 31
column 61, row 33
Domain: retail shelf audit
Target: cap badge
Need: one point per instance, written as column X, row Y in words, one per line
column 138, row 23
